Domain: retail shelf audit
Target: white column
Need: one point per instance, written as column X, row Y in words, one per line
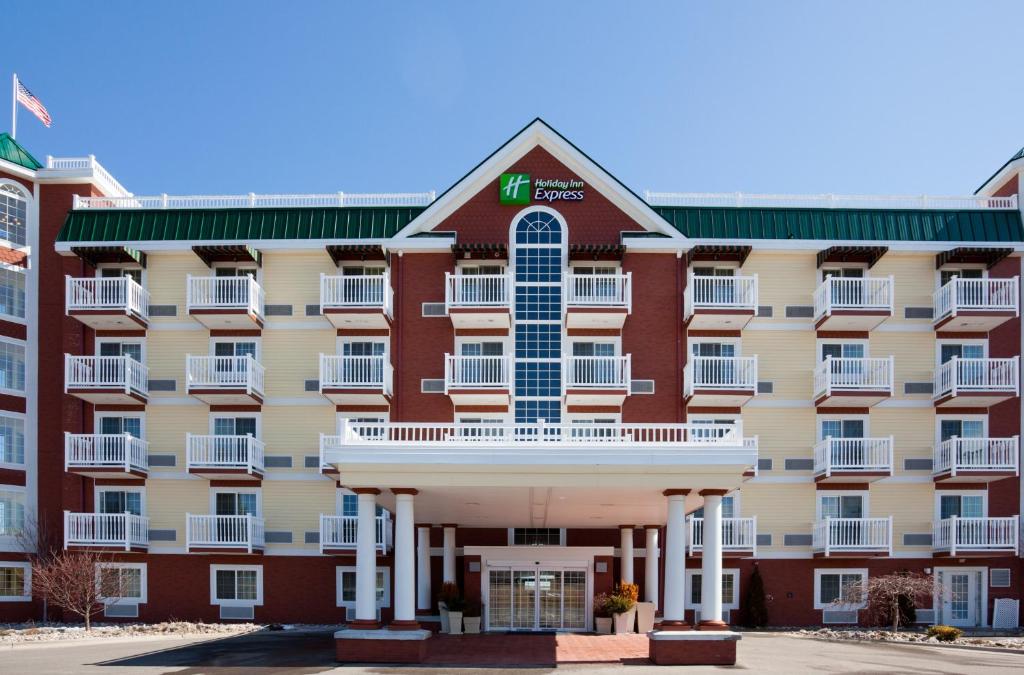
column 626, row 546
column 711, row 562
column 675, row 558
column 449, row 554
column 405, row 558
column 423, row 590
column 366, row 557
column 651, row 565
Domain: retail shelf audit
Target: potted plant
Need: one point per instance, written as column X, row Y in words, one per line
column 622, row 605
column 455, row 607
column 448, row 592
column 602, row 617
column 471, row 617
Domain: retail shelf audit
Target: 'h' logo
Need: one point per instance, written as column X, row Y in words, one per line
column 514, row 188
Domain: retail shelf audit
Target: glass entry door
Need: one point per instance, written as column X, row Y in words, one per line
column 537, row 599
column 961, row 597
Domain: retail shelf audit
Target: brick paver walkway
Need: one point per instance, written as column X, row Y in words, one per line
column 535, row 650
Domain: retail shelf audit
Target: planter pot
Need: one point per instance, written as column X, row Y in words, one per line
column 603, row 624
column 454, row 623
column 644, row 617
column 442, row 609
column 624, row 622
column 471, row 624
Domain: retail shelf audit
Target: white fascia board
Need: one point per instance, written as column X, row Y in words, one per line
column 584, row 458
column 17, row 170
column 997, row 181
column 798, row 245
column 280, row 245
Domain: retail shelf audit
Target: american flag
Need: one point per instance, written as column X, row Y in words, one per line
column 27, row 99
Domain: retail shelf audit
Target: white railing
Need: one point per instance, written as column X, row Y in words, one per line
column 255, row 201
column 356, row 372
column 107, row 182
column 848, row 293
column 853, row 454
column 477, row 372
column 102, row 451
column 370, row 291
column 476, row 290
column 119, row 294
column 208, row 293
column 976, row 455
column 720, row 372
column 704, row 292
column 224, row 452
column 828, row 201
column 596, row 372
column 225, row 372
column 837, row 535
column 996, row 295
column 967, row 375
column 342, row 532
column 599, row 290
column 237, row 532
column 957, row 535
column 853, row 374
column 738, row 534
column 105, row 372
column 108, row 530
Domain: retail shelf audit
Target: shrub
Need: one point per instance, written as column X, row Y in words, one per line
column 601, row 606
column 456, row 604
column 631, row 591
column 618, row 604
column 755, row 608
column 472, row 608
column 449, row 592
column 945, row 633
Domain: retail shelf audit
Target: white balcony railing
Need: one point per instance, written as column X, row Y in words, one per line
column 224, row 452
column 958, row 535
column 121, row 295
column 973, row 375
column 704, row 292
column 976, row 455
column 244, row 533
column 225, row 293
column 107, row 183
column 356, row 372
column 853, row 454
column 725, row 373
column 599, row 290
column 848, row 293
column 254, row 201
column 106, row 530
column 225, row 372
column 840, row 535
column 476, row 290
column 372, row 291
column 738, row 534
column 596, row 372
column 839, row 375
column 477, row 372
column 122, row 373
column 342, row 532
column 829, row 201
column 1000, row 295
column 105, row 451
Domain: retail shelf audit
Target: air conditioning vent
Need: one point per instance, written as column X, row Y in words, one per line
column 925, row 615
column 236, row 612
column 765, row 387
column 434, row 309
column 999, row 578
column 431, row 386
column 839, row 616
column 641, row 386
column 121, row 610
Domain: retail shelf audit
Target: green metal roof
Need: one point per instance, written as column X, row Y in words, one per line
column 12, row 151
column 121, row 225
column 845, row 224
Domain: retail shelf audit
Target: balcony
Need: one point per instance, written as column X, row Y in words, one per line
column 838, row 460
column 356, row 380
column 976, row 383
column 598, row 300
column 225, row 302
column 719, row 303
column 739, row 536
column 720, row 381
column 357, row 302
column 975, row 460
column 847, row 303
column 478, row 300
column 954, row 537
column 223, row 534
column 854, row 537
column 118, row 380
column 338, row 534
column 477, row 380
column 975, row 304
column 225, row 380
column 107, row 304
column 225, row 457
column 106, row 532
column 853, row 382
column 106, row 455
column 596, row 380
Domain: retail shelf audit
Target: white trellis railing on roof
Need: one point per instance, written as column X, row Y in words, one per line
column 254, row 201
column 829, row 201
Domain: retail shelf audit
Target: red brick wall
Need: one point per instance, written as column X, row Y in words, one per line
column 1008, row 188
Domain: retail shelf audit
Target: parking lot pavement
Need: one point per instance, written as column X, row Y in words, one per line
column 295, row 653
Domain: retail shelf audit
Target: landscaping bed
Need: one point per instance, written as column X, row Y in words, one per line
column 20, row 633
column 868, row 635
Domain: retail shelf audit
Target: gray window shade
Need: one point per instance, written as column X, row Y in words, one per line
column 917, row 539
column 764, row 540
column 163, row 460
column 917, row 387
column 917, row 464
column 999, row 577
column 163, row 385
column 312, row 385
column 311, row 461
column 277, row 537
column 312, row 537
column 163, row 535
column 122, row 610
column 236, row 612
column 277, row 461
column 312, row 310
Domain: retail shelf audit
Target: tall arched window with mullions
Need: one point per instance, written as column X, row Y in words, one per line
column 13, row 215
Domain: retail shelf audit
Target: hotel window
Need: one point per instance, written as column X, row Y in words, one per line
column 236, row 584
column 15, row 582
column 842, row 506
column 948, row 350
column 119, row 501
column 12, row 291
column 235, row 271
column 12, row 366
column 842, row 428
column 833, row 585
column 946, row 274
column 843, row 350
column 594, row 363
column 12, row 440
column 715, row 429
column 346, row 587
column 730, row 508
column 235, row 426
column 234, row 348
column 240, row 502
column 127, row 579
column 961, row 506
column 120, row 425
column 12, row 512
column 730, row 588
column 120, row 272
column 132, row 349
column 13, row 215
column 481, row 427
column 349, row 506
column 598, row 428
column 538, row 536
column 961, row 428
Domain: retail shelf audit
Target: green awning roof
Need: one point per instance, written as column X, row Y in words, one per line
column 845, row 224
column 123, row 225
column 12, row 151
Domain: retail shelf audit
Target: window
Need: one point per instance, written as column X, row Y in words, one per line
column 946, row 275
column 845, row 350
column 15, row 582
column 705, row 271
column 119, row 272
column 961, row 428
column 842, row 506
column 346, row 587
column 132, row 349
column 12, row 512
column 481, row 427
column 13, row 215
column 842, row 272
column 235, row 348
column 12, row 291
column 596, row 428
column 132, row 426
column 241, row 502
column 714, row 430
column 349, row 506
column 842, row 428
column 730, row 588
column 12, row 440
column 831, row 585
column 961, row 505
column 235, row 271
column 129, row 579
column 12, row 366
column 730, row 508
column 119, row 501
column 714, row 349
column 235, row 426
column 948, row 350
column 537, row 536
column 236, row 584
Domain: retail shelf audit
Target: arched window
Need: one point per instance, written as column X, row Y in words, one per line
column 13, row 214
column 538, row 227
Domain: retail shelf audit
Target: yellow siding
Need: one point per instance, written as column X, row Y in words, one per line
column 165, row 355
column 293, row 356
column 913, row 283
column 914, row 357
column 786, row 358
column 781, row 509
column 294, row 279
column 166, row 427
column 783, row 279
column 167, row 279
column 782, row 433
column 295, row 431
column 169, row 500
column 295, row 506
column 910, row 504
column 912, row 429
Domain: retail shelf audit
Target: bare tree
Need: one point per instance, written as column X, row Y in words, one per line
column 35, row 540
column 76, row 581
column 890, row 597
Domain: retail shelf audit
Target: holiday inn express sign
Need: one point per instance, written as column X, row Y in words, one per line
column 515, row 188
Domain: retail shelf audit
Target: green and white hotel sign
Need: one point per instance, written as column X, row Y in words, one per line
column 515, row 188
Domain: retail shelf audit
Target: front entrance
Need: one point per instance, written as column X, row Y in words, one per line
column 537, row 599
column 961, row 602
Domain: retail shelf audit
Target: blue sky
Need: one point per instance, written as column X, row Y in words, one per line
column 231, row 97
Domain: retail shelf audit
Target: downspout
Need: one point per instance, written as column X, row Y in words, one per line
column 680, row 337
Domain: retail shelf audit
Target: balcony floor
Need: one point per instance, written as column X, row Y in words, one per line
column 236, row 550
column 226, row 473
column 853, row 319
column 865, row 553
column 225, row 396
column 720, row 319
column 109, row 319
column 972, row 476
column 349, row 396
column 603, row 397
column 595, row 317
column 107, row 396
column 108, row 472
column 966, row 552
column 720, row 398
column 107, row 548
column 233, row 319
column 973, row 399
column 460, row 397
column 974, row 320
column 357, row 318
column 480, row 317
column 850, row 476
column 852, row 399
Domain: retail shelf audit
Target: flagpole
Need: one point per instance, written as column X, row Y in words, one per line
column 14, row 107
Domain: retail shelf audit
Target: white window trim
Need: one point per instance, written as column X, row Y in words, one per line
column 99, row 415
column 939, row 419
column 939, row 494
column 474, row 262
column 731, row 571
column 30, row 210
column 341, row 341
column 238, row 568
column 512, row 536
column 569, row 418
column 362, row 264
column 24, row 360
column 141, row 341
column 14, row 318
column 124, row 266
column 842, row 266
column 735, row 342
column 821, row 342
column 255, row 339
column 615, row 340
column 938, row 347
column 866, row 419
column 100, row 489
column 959, row 266
column 249, row 415
column 13, row 465
column 27, row 596
column 507, row 345
column 339, row 570
column 214, row 491
column 384, row 418
column 863, row 494
column 715, row 264
column 144, row 584
column 226, row 263
column 818, row 572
